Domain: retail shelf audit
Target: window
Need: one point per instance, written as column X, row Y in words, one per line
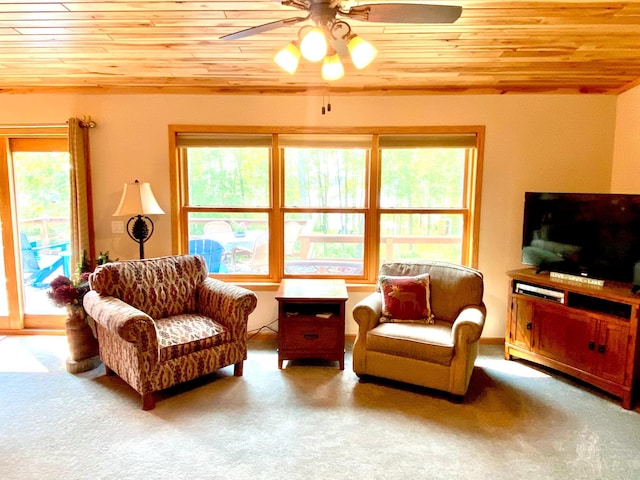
column 262, row 204
column 424, row 204
column 324, row 203
column 228, row 208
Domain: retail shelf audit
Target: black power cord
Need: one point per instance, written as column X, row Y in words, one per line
column 252, row 333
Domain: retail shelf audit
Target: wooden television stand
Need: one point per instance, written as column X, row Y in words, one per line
column 586, row 331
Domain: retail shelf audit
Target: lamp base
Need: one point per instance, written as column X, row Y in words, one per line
column 140, row 231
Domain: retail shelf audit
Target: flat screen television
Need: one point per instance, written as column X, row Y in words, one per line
column 594, row 235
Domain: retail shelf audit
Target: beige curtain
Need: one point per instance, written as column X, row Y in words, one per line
column 82, row 234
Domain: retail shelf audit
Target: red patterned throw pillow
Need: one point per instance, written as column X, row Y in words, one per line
column 406, row 299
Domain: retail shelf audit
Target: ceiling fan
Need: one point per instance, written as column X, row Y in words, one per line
column 332, row 36
column 325, row 13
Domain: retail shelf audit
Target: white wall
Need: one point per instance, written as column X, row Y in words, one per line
column 625, row 176
column 533, row 142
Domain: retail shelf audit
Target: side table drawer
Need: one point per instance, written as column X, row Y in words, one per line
column 310, row 335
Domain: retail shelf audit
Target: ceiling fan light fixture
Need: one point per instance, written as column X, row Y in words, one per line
column 362, row 52
column 288, row 58
column 332, row 68
column 313, row 45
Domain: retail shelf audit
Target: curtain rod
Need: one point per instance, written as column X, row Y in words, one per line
column 85, row 122
column 37, row 125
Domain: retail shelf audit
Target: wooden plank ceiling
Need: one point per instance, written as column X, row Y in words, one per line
column 174, row 47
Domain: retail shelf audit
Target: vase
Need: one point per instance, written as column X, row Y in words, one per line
column 83, row 345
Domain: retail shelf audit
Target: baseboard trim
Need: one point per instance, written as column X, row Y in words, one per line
column 33, row 331
column 350, row 337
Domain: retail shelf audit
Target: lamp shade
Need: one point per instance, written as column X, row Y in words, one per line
column 362, row 52
column 137, row 199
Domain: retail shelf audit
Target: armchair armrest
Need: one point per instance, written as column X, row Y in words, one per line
column 468, row 326
column 129, row 323
column 227, row 304
column 367, row 312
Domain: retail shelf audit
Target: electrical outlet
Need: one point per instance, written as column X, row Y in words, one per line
column 117, row 226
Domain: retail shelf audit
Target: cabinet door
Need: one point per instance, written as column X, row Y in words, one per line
column 612, row 345
column 567, row 337
column 521, row 322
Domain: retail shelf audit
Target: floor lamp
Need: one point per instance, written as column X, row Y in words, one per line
column 138, row 200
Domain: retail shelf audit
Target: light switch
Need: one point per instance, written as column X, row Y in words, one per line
column 117, row 226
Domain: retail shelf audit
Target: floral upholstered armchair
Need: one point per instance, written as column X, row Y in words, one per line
column 163, row 321
column 421, row 326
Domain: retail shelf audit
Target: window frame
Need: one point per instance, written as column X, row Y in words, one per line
column 372, row 209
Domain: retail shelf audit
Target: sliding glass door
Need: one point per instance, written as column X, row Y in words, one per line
column 36, row 228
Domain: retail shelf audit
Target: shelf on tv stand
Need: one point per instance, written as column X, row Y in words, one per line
column 587, row 331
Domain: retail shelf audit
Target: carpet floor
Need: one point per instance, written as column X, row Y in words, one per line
column 307, row 421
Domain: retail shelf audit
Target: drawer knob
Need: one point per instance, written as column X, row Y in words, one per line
column 311, row 336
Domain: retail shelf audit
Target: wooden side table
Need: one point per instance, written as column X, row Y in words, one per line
column 311, row 319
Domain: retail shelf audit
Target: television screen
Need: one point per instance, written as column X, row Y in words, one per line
column 587, row 234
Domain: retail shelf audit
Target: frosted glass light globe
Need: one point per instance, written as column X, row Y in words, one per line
column 288, row 58
column 314, row 45
column 332, row 68
column 362, row 52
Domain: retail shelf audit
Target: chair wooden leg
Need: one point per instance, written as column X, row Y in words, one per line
column 237, row 369
column 148, row 401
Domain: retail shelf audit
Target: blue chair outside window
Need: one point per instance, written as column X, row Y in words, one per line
column 38, row 265
column 210, row 249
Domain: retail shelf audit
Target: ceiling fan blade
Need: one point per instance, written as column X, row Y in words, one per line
column 404, row 13
column 263, row 28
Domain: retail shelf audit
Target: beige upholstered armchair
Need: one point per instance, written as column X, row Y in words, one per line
column 163, row 321
column 434, row 342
